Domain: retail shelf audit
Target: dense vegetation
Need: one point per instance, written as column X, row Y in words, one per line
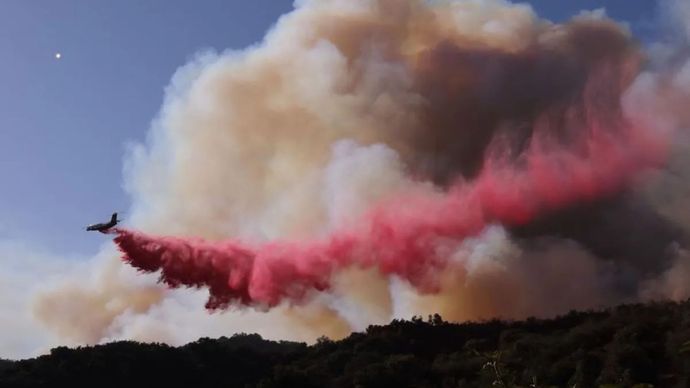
column 631, row 345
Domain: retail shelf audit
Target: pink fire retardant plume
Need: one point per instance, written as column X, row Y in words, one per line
column 406, row 236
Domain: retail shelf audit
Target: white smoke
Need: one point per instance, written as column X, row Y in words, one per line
column 25, row 273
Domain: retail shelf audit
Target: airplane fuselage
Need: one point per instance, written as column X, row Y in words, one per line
column 104, row 226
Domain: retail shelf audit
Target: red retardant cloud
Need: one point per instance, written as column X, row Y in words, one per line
column 406, row 236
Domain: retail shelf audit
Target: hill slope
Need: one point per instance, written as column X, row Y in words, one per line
column 627, row 345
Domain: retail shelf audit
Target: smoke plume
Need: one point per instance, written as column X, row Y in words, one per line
column 409, row 236
column 375, row 159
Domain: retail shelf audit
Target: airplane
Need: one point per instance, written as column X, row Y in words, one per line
column 103, row 227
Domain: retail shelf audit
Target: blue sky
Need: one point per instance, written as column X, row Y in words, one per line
column 64, row 123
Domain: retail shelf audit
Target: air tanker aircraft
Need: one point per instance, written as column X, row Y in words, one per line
column 103, row 227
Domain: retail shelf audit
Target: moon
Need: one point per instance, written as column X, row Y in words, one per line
column 58, row 55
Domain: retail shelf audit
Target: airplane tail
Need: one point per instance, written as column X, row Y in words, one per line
column 113, row 219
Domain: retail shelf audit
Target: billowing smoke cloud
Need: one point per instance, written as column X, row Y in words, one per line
column 375, row 159
column 408, row 235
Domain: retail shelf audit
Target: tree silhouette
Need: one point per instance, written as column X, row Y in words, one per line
column 628, row 346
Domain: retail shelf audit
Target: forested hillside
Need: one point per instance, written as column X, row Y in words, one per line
column 643, row 345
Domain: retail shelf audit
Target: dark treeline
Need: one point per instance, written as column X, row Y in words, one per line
column 628, row 346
